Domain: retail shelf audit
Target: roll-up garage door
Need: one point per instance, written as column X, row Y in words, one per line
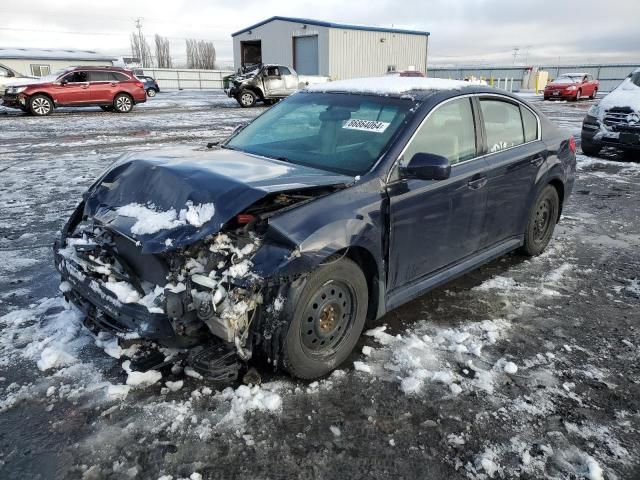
column 306, row 55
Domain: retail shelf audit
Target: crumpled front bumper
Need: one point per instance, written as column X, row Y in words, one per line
column 623, row 137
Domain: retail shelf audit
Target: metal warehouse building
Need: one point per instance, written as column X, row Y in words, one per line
column 336, row 50
column 43, row 61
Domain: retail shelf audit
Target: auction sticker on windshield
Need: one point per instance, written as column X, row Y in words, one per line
column 366, row 125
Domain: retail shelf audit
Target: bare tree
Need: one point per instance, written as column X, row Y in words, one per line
column 201, row 54
column 163, row 55
column 140, row 49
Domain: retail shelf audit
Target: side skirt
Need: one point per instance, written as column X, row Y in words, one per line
column 423, row 285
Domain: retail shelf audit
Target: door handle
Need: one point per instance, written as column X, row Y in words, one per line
column 477, row 183
column 537, row 160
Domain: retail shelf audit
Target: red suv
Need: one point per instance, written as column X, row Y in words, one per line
column 572, row 86
column 110, row 88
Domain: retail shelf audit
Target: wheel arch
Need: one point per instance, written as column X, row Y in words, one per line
column 559, row 186
column 44, row 94
column 123, row 92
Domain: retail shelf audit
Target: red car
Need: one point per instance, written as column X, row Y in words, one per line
column 572, row 86
column 110, row 88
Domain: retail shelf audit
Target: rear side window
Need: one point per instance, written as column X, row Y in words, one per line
column 284, row 71
column 119, row 77
column 502, row 123
column 449, row 131
column 530, row 123
column 100, row 77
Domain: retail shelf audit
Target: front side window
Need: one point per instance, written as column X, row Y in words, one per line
column 449, row 131
column 272, row 72
column 77, row 77
column 502, row 124
column 336, row 132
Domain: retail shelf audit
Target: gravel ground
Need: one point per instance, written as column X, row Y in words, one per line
column 526, row 368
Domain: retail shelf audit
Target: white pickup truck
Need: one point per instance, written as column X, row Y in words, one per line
column 266, row 83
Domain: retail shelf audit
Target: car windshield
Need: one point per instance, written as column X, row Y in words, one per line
column 336, row 132
column 568, row 79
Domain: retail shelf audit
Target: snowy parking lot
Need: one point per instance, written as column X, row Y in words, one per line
column 526, row 368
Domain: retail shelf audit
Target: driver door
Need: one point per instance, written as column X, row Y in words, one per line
column 273, row 82
column 72, row 89
column 436, row 223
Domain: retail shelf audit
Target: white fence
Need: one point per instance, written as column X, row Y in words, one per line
column 179, row 79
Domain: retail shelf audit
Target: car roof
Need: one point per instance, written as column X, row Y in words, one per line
column 573, row 74
column 389, row 85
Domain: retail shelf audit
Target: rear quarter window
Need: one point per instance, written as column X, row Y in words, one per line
column 530, row 123
column 119, row 77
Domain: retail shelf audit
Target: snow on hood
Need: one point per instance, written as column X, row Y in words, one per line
column 172, row 198
column 388, row 85
column 626, row 95
column 19, row 81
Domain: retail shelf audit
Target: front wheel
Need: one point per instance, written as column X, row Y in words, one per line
column 329, row 313
column 542, row 221
column 578, row 95
column 123, row 103
column 593, row 95
column 247, row 98
column 40, row 105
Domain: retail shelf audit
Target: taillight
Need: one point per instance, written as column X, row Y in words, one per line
column 245, row 218
column 572, row 145
column 139, row 84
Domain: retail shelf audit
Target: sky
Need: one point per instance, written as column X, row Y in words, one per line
column 462, row 31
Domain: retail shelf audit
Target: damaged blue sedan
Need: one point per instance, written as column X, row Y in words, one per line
column 334, row 206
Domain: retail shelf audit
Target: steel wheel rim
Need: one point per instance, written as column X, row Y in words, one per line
column 328, row 318
column 123, row 103
column 542, row 221
column 41, row 106
column 151, row 92
column 247, row 99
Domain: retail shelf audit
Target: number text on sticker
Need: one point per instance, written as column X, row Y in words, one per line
column 366, row 125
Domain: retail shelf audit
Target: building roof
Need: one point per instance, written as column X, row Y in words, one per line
column 53, row 54
column 321, row 23
column 388, row 85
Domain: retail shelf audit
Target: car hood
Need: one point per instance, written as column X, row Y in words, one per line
column 562, row 85
column 172, row 198
column 626, row 95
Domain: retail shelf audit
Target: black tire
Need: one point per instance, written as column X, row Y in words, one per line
column 578, row 95
column 589, row 148
column 329, row 312
column 593, row 95
column 543, row 217
column 246, row 98
column 40, row 105
column 546, row 97
column 107, row 108
column 151, row 92
column 122, row 103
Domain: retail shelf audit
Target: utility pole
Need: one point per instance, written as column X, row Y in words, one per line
column 515, row 54
column 140, row 41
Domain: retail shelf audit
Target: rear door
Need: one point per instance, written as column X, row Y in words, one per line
column 73, row 89
column 101, row 84
column 435, row 224
column 514, row 155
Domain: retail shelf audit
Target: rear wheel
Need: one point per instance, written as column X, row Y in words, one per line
column 151, row 92
column 40, row 105
column 542, row 221
column 328, row 316
column 123, row 103
column 247, row 99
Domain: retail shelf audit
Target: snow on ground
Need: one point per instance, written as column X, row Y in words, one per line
column 523, row 369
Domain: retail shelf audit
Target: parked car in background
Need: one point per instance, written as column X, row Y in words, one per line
column 150, row 85
column 615, row 121
column 336, row 205
column 9, row 76
column 266, row 83
column 572, row 86
column 110, row 88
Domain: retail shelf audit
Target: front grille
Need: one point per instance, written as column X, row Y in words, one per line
column 617, row 116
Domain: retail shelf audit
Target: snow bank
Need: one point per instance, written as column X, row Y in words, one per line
column 140, row 379
column 150, row 220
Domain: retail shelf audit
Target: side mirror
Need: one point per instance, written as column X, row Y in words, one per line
column 427, row 166
column 64, row 81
